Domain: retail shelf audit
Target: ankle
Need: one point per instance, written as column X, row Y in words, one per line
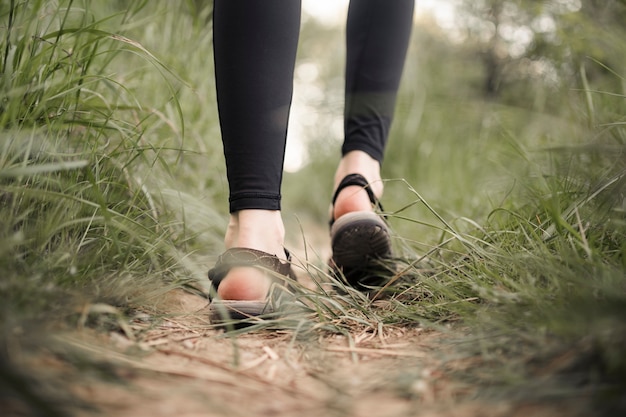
column 256, row 229
column 355, row 198
column 359, row 162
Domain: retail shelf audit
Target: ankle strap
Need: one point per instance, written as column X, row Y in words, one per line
column 358, row 180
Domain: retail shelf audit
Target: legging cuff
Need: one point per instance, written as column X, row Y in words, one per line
column 259, row 201
column 355, row 145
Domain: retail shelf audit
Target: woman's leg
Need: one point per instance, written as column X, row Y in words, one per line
column 255, row 48
column 377, row 37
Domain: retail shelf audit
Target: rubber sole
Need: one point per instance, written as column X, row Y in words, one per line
column 237, row 312
column 359, row 240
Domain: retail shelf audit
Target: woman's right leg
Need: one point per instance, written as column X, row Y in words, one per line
column 255, row 48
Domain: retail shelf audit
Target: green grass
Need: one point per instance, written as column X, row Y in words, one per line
column 509, row 223
column 75, row 201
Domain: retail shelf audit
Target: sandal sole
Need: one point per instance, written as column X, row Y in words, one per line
column 358, row 238
column 237, row 312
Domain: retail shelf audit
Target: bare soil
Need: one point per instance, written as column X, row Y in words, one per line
column 181, row 367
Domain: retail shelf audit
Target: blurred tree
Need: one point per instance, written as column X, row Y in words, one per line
column 546, row 41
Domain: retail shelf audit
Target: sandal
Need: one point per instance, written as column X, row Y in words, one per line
column 360, row 241
column 222, row 311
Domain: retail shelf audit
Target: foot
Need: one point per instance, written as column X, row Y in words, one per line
column 354, row 198
column 253, row 229
column 359, row 237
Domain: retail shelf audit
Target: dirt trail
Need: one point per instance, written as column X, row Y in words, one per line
column 183, row 369
column 190, row 372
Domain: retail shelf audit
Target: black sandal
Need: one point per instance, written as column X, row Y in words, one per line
column 222, row 311
column 360, row 241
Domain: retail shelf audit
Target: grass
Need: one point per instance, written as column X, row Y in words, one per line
column 509, row 225
column 75, row 204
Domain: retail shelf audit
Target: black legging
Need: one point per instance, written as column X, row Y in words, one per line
column 255, row 49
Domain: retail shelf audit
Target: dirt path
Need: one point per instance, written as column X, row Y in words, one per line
column 180, row 366
column 183, row 368
column 190, row 372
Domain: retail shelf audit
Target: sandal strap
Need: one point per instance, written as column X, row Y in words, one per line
column 360, row 181
column 236, row 257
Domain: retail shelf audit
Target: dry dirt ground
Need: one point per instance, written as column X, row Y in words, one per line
column 182, row 367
